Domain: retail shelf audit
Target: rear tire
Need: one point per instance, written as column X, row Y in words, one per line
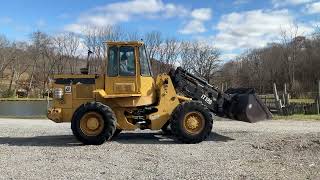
column 93, row 123
column 191, row 122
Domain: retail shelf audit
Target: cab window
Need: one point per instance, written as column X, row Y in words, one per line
column 113, row 66
column 144, row 63
column 127, row 64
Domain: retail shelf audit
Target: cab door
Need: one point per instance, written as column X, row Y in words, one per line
column 122, row 76
column 147, row 83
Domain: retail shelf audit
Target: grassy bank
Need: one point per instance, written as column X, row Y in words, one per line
column 304, row 101
column 297, row 117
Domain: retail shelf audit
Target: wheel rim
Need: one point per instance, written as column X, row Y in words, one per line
column 91, row 124
column 193, row 122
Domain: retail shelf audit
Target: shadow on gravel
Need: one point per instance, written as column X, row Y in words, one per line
column 59, row 141
column 124, row 138
column 160, row 138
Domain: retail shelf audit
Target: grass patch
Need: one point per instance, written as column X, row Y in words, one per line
column 305, row 101
column 24, row 99
column 297, row 117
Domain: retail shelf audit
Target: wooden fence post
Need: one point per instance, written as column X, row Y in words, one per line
column 277, row 100
column 286, row 95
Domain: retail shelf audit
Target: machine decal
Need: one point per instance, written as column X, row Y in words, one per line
column 206, row 99
column 67, row 89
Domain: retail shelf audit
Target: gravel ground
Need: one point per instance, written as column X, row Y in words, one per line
column 41, row 149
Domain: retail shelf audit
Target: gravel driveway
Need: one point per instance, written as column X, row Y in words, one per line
column 41, row 149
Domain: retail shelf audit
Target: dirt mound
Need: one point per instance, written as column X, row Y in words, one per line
column 296, row 144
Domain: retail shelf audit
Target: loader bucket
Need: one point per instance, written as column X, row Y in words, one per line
column 246, row 106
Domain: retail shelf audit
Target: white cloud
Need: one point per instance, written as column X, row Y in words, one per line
column 313, row 8
column 228, row 56
column 76, row 28
column 201, row 14
column 254, row 29
column 118, row 12
column 281, row 3
column 196, row 24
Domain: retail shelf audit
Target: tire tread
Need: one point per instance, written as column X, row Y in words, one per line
column 109, row 123
column 177, row 118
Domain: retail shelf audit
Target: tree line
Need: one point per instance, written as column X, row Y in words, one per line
column 27, row 66
column 294, row 61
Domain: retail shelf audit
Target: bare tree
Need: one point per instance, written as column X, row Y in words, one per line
column 168, row 54
column 67, row 46
column 152, row 41
column 45, row 60
column 95, row 38
column 291, row 41
column 6, row 54
column 20, row 64
column 133, row 36
column 200, row 59
column 294, row 61
column 60, row 54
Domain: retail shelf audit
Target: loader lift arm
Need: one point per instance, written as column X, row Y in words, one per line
column 240, row 104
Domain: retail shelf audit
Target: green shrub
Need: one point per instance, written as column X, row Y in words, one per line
column 8, row 94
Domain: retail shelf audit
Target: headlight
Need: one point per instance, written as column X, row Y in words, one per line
column 58, row 93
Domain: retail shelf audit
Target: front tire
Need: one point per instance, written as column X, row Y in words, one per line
column 93, row 123
column 191, row 122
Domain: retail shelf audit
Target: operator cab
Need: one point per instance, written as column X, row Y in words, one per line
column 128, row 70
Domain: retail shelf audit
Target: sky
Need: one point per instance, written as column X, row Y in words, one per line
column 233, row 26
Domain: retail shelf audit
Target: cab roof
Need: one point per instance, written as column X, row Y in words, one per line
column 123, row 43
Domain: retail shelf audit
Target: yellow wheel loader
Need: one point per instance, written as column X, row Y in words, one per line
column 127, row 97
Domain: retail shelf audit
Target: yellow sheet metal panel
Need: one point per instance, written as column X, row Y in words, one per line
column 147, row 95
column 124, row 88
column 126, row 43
column 67, row 114
column 147, row 86
column 168, row 101
column 182, row 98
column 121, row 85
column 84, row 91
column 122, row 121
column 99, row 82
